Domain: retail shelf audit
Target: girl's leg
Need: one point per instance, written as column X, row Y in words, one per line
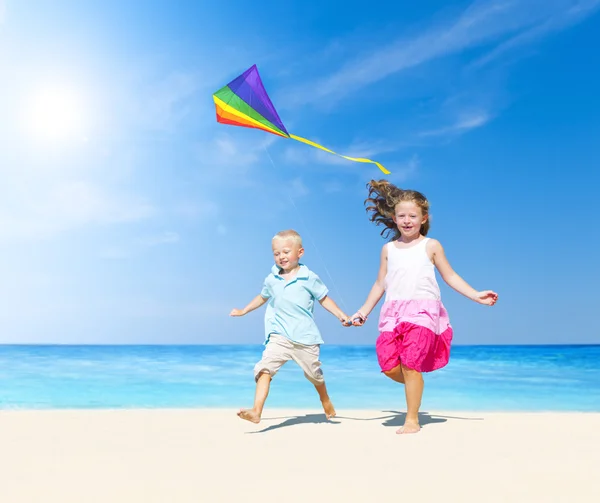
column 413, row 387
column 263, row 383
column 395, row 374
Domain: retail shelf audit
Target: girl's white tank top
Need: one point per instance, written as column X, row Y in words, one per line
column 410, row 273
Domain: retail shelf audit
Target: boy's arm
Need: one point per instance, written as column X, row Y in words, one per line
column 329, row 304
column 255, row 303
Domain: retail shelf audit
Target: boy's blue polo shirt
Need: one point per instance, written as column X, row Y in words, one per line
column 290, row 310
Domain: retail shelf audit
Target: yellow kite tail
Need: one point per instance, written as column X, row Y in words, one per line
column 356, row 159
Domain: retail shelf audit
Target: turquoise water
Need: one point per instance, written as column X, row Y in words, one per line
column 486, row 378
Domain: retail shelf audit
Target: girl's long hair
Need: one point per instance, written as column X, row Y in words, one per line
column 381, row 204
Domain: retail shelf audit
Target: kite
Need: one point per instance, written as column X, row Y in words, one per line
column 244, row 102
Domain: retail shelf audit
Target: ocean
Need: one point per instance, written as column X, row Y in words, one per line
column 478, row 378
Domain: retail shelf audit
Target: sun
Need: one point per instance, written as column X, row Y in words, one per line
column 55, row 114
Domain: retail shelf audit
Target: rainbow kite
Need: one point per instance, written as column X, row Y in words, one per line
column 244, row 102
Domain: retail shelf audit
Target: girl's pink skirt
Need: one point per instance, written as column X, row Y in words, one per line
column 414, row 333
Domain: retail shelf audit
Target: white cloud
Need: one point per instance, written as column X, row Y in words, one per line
column 115, row 253
column 483, row 22
column 404, row 171
column 135, row 246
column 466, row 122
column 167, row 102
column 167, row 237
column 48, row 192
column 196, row 209
column 157, row 308
column 561, row 20
column 230, row 157
column 84, row 202
column 298, row 188
column 228, row 151
column 297, row 155
column 69, row 205
column 333, row 186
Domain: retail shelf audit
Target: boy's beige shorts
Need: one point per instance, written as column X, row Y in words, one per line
column 280, row 349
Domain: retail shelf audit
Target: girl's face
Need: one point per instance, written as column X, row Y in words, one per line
column 287, row 253
column 409, row 218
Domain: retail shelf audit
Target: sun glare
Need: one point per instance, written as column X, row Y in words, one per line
column 55, row 114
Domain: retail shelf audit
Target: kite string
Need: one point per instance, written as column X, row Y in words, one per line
column 314, row 244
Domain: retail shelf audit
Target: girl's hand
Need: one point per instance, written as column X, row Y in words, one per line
column 486, row 297
column 237, row 312
column 358, row 319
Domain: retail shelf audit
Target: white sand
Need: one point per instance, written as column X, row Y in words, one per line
column 208, row 456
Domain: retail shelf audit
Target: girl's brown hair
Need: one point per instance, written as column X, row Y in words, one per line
column 382, row 201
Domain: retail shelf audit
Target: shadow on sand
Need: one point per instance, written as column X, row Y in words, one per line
column 397, row 419
column 393, row 418
column 293, row 420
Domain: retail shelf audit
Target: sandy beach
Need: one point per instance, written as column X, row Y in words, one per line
column 206, row 455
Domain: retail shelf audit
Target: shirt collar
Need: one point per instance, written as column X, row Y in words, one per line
column 301, row 274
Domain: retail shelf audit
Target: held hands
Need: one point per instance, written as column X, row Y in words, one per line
column 486, row 297
column 354, row 320
column 358, row 319
column 344, row 320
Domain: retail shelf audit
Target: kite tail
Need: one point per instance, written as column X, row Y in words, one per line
column 355, row 159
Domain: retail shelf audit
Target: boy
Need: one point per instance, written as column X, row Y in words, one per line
column 290, row 329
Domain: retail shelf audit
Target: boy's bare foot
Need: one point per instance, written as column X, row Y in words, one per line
column 409, row 427
column 328, row 408
column 249, row 415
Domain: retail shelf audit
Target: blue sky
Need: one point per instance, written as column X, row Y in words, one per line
column 128, row 215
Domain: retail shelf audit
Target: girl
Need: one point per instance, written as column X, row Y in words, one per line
column 415, row 332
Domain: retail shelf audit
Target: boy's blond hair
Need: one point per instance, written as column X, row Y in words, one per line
column 289, row 234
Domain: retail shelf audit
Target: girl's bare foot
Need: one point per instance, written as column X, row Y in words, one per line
column 328, row 408
column 409, row 427
column 249, row 415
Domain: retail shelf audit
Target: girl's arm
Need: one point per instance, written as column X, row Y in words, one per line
column 454, row 281
column 255, row 303
column 376, row 292
column 329, row 304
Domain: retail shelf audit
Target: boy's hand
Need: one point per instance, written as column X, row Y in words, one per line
column 343, row 317
column 486, row 297
column 237, row 312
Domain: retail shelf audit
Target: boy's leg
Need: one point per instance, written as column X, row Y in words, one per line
column 276, row 353
column 308, row 359
column 254, row 414
column 325, row 400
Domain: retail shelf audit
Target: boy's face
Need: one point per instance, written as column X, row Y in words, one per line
column 287, row 254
